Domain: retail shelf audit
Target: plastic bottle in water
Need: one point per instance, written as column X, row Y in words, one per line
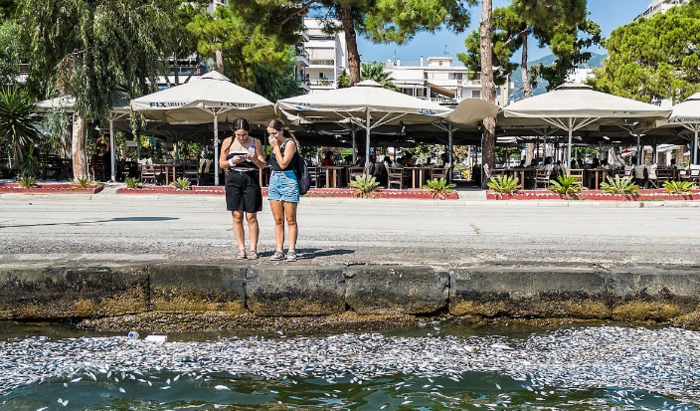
column 133, row 334
column 251, row 150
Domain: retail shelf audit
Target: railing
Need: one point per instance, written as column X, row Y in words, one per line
column 322, row 62
column 321, row 83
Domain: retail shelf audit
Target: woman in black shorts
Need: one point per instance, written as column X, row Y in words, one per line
column 242, row 155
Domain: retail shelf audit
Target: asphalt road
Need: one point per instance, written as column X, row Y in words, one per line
column 110, row 227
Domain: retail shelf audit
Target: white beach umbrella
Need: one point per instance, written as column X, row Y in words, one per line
column 687, row 115
column 572, row 107
column 120, row 109
column 211, row 98
column 367, row 105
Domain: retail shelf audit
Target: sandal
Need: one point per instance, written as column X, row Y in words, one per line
column 252, row 255
column 240, row 255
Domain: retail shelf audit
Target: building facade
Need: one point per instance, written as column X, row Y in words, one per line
column 321, row 57
column 660, row 6
column 441, row 80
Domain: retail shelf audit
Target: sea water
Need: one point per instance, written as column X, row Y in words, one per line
column 436, row 367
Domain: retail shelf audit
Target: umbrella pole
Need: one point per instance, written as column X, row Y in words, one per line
column 354, row 146
column 111, row 149
column 639, row 150
column 216, row 149
column 450, row 132
column 568, row 153
column 367, row 146
column 695, row 147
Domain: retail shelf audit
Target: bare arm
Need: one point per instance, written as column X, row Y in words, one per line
column 284, row 159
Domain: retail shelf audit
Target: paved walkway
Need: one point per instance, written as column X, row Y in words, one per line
column 468, row 231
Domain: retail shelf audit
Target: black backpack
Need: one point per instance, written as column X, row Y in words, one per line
column 300, row 170
column 303, row 176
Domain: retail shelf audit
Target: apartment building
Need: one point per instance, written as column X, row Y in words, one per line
column 661, row 6
column 321, row 57
column 440, row 79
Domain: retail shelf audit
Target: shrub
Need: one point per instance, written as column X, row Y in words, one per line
column 83, row 182
column 132, row 182
column 680, row 187
column 439, row 187
column 181, row 184
column 566, row 186
column 503, row 185
column 365, row 186
column 623, row 186
column 27, row 182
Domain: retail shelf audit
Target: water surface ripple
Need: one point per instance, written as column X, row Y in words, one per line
column 658, row 361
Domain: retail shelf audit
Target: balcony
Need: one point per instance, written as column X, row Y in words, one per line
column 321, row 83
column 322, row 62
column 302, row 58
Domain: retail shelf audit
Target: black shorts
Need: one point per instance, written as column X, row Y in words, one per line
column 243, row 192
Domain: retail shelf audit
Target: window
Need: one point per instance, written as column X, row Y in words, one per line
column 458, row 76
column 476, row 93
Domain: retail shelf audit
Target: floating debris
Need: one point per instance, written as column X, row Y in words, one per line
column 658, row 361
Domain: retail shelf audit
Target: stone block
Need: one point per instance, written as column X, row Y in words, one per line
column 76, row 292
column 396, row 290
column 295, row 290
column 197, row 287
column 529, row 292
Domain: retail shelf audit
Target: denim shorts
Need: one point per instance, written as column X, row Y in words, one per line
column 284, row 187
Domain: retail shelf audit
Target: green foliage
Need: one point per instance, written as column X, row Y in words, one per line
column 560, row 24
column 365, row 186
column 249, row 34
column 375, row 71
column 680, row 187
column 83, row 182
column 182, row 183
column 88, row 49
column 17, row 119
column 29, row 164
column 275, row 85
column 10, row 51
column 566, row 186
column 439, row 187
column 655, row 58
column 503, row 185
column 27, row 182
column 619, row 185
column 132, row 182
column 343, row 79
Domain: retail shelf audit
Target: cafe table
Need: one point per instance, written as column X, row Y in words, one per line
column 595, row 176
column 337, row 172
column 419, row 171
column 169, row 168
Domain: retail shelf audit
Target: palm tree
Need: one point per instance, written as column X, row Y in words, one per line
column 17, row 122
column 375, row 71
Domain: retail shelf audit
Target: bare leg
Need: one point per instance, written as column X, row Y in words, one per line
column 290, row 210
column 278, row 214
column 253, row 230
column 238, row 230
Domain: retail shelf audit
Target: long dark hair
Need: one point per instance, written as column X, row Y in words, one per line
column 240, row 124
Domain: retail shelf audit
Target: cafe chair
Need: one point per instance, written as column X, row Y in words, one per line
column 313, row 174
column 394, row 177
column 652, row 178
column 151, row 174
column 191, row 172
column 440, row 172
column 640, row 175
column 577, row 174
column 542, row 178
column 354, row 171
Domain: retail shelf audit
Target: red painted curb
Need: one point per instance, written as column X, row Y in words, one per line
column 58, row 188
column 594, row 195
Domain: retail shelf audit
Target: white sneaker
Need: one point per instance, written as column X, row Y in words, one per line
column 291, row 256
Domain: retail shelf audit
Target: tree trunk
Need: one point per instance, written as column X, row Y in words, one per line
column 351, row 44
column 177, row 75
column 524, row 68
column 220, row 61
column 80, row 167
column 488, row 87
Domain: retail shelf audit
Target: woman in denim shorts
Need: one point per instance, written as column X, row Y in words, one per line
column 242, row 155
column 284, row 188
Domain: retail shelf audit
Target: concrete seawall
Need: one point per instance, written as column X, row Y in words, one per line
column 93, row 291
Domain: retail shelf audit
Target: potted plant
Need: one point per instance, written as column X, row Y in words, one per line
column 365, row 186
column 438, row 187
column 623, row 186
column 684, row 188
column 503, row 185
column 566, row 186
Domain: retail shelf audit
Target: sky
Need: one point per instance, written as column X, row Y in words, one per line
column 609, row 14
